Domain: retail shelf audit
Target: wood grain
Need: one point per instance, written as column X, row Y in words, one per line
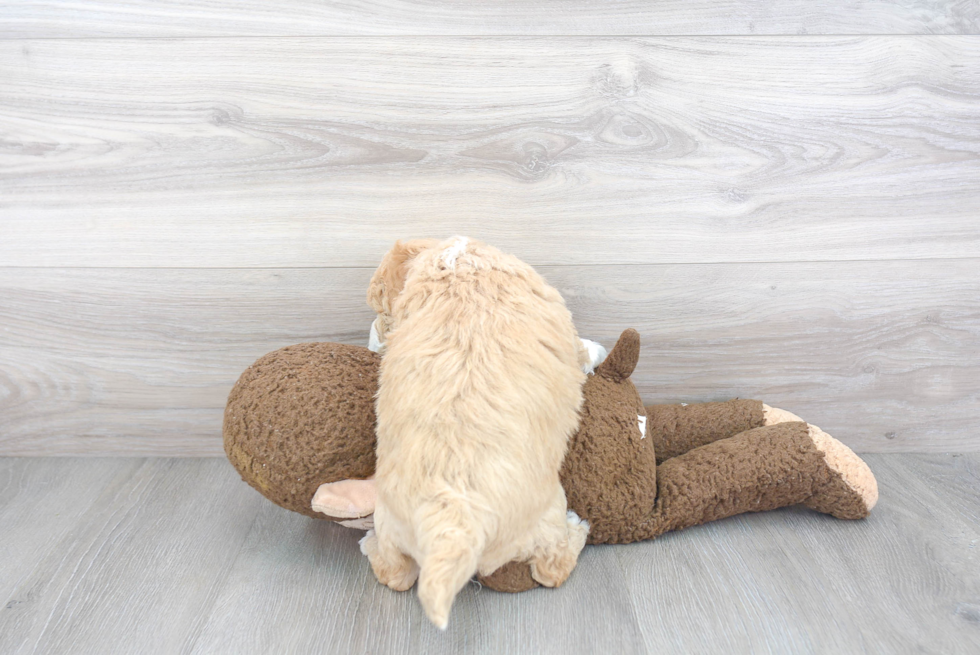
column 791, row 581
column 146, row 559
column 41, row 501
column 156, row 18
column 321, row 151
column 139, row 361
column 180, row 556
column 325, row 595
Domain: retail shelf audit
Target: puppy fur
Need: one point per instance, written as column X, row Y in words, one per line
column 480, row 389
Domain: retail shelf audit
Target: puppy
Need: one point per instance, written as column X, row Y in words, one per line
column 479, row 391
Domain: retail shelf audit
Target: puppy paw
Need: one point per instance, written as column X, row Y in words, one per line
column 553, row 566
column 391, row 568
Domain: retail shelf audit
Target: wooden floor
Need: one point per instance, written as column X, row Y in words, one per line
column 122, row 555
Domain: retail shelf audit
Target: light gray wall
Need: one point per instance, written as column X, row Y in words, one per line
column 782, row 215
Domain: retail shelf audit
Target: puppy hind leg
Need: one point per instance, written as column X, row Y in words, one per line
column 561, row 537
column 391, row 566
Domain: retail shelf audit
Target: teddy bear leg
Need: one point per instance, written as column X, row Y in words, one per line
column 761, row 469
column 774, row 415
column 676, row 429
column 852, row 491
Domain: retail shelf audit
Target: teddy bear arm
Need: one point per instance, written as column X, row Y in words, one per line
column 678, row 428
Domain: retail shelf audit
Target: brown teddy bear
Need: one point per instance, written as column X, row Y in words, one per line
column 299, row 427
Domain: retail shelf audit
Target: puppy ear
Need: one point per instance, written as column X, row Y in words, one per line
column 621, row 361
column 346, row 499
column 389, row 280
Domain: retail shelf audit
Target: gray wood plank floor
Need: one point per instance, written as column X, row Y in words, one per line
column 180, row 556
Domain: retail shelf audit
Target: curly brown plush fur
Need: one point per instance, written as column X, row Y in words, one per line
column 302, row 416
column 727, row 458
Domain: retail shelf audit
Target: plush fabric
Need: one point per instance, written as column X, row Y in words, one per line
column 304, row 416
column 676, row 429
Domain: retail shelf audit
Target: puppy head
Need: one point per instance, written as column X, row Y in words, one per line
column 389, row 280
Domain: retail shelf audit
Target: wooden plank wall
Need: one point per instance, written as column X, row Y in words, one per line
column 784, row 198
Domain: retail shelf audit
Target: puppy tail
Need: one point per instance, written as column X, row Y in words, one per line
column 451, row 557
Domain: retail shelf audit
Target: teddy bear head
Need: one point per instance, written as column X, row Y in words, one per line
column 302, row 416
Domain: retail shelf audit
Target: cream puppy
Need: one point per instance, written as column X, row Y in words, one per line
column 480, row 388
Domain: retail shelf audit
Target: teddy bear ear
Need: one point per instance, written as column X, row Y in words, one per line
column 621, row 361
